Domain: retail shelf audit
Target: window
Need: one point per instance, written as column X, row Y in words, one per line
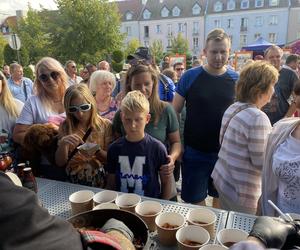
column 272, row 37
column 170, row 29
column 244, row 24
column 218, row 6
column 195, row 42
column 146, row 14
column 176, row 11
column 165, row 12
column 273, row 2
column 230, row 23
column 180, row 27
column 169, row 43
column 231, row 5
column 230, row 38
column 258, row 21
column 273, row 20
column 196, row 9
column 128, row 16
column 158, row 29
column 195, row 27
column 146, row 43
column 259, row 3
column 217, row 23
column 128, row 30
column 243, row 40
column 146, row 31
column 256, row 36
column 245, row 4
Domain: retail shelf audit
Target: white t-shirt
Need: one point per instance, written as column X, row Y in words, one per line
column 7, row 122
column 286, row 166
column 35, row 112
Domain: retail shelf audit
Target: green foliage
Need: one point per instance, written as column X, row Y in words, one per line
column 10, row 55
column 132, row 46
column 28, row 72
column 85, row 27
column 157, row 50
column 117, row 67
column 3, row 42
column 189, row 60
column 33, row 35
column 117, row 56
column 179, row 45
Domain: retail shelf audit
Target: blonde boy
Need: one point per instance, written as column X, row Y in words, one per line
column 133, row 161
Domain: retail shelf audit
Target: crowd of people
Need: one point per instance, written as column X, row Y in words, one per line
column 233, row 135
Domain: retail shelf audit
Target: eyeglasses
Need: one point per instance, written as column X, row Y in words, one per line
column 179, row 69
column 45, row 77
column 83, row 107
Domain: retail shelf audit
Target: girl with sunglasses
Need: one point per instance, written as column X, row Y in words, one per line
column 83, row 125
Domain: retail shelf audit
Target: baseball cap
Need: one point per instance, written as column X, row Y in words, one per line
column 142, row 53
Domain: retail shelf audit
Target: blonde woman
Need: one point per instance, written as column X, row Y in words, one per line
column 102, row 84
column 83, row 124
column 10, row 109
column 46, row 106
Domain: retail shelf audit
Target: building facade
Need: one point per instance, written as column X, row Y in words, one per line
column 294, row 21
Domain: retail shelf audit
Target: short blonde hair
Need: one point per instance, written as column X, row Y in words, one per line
column 100, row 76
column 255, row 79
column 135, row 101
column 273, row 47
column 217, row 35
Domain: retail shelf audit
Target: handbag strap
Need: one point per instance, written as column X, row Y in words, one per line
column 84, row 138
column 245, row 106
column 25, row 90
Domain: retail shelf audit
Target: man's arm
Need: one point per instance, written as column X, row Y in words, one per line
column 178, row 103
column 166, row 185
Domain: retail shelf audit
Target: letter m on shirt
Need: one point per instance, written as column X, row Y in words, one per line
column 132, row 177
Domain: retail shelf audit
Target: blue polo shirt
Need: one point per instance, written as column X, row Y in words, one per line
column 18, row 91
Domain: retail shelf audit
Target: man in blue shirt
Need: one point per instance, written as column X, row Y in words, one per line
column 20, row 87
column 208, row 91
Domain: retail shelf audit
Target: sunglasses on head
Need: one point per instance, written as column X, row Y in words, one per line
column 135, row 62
column 45, row 77
column 83, row 107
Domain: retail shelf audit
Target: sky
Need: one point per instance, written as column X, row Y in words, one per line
column 9, row 7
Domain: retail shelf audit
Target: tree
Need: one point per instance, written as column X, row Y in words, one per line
column 10, row 55
column 3, row 42
column 33, row 35
column 85, row 27
column 179, row 45
column 157, row 50
column 132, row 45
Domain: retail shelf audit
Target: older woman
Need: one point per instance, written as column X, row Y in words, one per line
column 163, row 124
column 10, row 109
column 237, row 173
column 102, row 84
column 281, row 171
column 46, row 106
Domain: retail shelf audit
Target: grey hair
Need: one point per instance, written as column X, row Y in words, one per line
column 100, row 76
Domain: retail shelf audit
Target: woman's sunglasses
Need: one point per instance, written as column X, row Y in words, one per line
column 45, row 77
column 83, row 107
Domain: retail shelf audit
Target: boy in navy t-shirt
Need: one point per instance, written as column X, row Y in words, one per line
column 133, row 161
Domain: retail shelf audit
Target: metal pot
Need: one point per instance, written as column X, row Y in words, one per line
column 97, row 218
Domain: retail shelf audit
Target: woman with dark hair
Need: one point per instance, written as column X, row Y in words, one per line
column 163, row 124
column 243, row 135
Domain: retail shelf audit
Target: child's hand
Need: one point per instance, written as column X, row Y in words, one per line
column 71, row 140
column 168, row 168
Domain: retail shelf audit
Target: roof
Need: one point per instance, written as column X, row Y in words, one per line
column 10, row 21
column 155, row 7
column 210, row 9
column 132, row 6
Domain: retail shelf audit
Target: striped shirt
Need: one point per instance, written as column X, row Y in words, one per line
column 237, row 172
